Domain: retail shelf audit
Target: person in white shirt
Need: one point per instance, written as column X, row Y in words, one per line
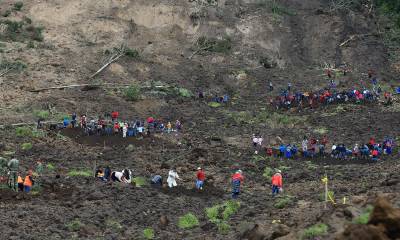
column 172, row 176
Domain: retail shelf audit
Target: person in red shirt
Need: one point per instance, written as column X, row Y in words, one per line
column 114, row 115
column 375, row 154
column 237, row 179
column 276, row 182
column 201, row 177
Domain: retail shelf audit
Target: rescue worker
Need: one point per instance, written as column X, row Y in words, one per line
column 156, row 181
column 201, row 177
column 73, row 121
column 28, row 182
column 271, row 87
column 276, row 182
column 124, row 129
column 172, row 176
column 114, row 115
column 169, row 127
column 20, row 184
column 13, row 166
column 237, row 179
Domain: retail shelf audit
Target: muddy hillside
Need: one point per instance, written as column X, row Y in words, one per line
column 288, row 71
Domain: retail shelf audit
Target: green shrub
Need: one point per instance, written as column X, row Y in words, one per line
column 38, row 133
column 212, row 213
column 74, row 225
column 30, row 44
column 132, row 93
column 18, row 6
column 139, row 181
column 278, row 9
column 214, row 104
column 50, row 167
column 215, row 45
column 148, row 233
column 188, row 221
column 231, row 207
column 283, row 201
column 364, row 217
column 80, row 173
column 132, row 53
column 315, row 231
column 23, row 132
column 43, row 114
column 16, row 66
column 268, row 172
column 223, row 227
column 183, row 92
column 26, row 146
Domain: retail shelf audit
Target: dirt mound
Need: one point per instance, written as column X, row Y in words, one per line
column 384, row 223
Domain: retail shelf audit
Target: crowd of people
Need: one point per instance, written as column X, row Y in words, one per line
column 125, row 176
column 312, row 147
column 330, row 95
column 111, row 124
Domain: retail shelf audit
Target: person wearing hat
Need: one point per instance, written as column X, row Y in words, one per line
column 201, row 177
column 276, row 182
column 172, row 176
column 237, row 179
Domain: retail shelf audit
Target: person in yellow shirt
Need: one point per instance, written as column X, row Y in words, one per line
column 169, row 127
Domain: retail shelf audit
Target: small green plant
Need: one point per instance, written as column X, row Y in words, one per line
column 183, row 92
column 74, row 226
column 212, row 213
column 114, row 225
column 283, row 201
column 132, row 93
column 50, row 167
column 315, row 231
column 188, row 221
column 321, row 130
column 139, row 181
column 42, row 114
column 268, row 172
column 215, row 45
column 214, row 104
column 30, row 44
column 331, row 195
column 278, row 9
column 221, row 213
column 18, row 6
column 223, row 227
column 16, row 66
column 132, row 53
column 26, row 146
column 364, row 217
column 231, row 207
column 80, row 173
column 23, row 132
column 148, row 233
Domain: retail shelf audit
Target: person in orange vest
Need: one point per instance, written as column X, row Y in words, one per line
column 237, row 180
column 28, row 182
column 276, row 182
column 20, row 184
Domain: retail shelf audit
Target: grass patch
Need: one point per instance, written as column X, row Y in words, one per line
column 43, row 114
column 15, row 66
column 132, row 93
column 215, row 45
column 75, row 225
column 139, row 181
column 148, row 233
column 284, row 168
column 132, row 53
column 183, row 92
column 21, row 31
column 214, row 104
column 221, row 213
column 364, row 217
column 18, row 6
column 311, row 166
column 80, row 173
column 316, row 230
column 321, row 131
column 273, row 120
column 268, row 172
column 26, row 146
column 283, row 201
column 23, row 132
column 331, row 195
column 50, row 167
column 188, row 221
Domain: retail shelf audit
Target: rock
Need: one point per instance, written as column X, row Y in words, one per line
column 130, row 148
column 163, row 222
column 358, row 199
column 387, row 216
column 165, row 165
column 362, row 232
column 280, row 230
column 254, row 233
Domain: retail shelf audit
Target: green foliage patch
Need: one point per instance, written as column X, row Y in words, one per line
column 315, row 231
column 26, row 146
column 132, row 93
column 283, row 201
column 80, row 173
column 223, row 45
column 364, row 217
column 148, row 233
column 188, row 221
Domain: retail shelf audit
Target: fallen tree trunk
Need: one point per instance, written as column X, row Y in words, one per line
column 76, row 85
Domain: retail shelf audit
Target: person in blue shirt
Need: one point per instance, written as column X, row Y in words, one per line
column 66, row 122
